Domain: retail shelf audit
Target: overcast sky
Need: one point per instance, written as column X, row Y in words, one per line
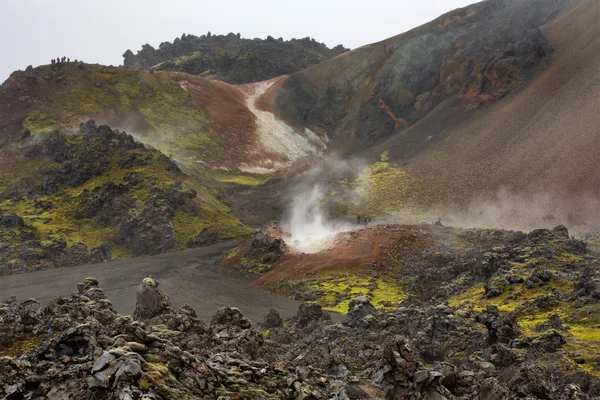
column 100, row 31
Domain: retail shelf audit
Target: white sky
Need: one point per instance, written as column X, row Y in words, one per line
column 100, row 31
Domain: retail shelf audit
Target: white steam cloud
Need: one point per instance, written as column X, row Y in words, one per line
column 308, row 224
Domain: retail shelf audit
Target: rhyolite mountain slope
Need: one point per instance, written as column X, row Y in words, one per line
column 481, row 52
column 204, row 124
column 498, row 94
column 231, row 58
column 541, row 143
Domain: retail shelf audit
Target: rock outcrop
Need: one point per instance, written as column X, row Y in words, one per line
column 96, row 184
column 151, row 301
column 230, row 58
column 79, row 347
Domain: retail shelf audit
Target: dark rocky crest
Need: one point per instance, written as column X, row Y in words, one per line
column 231, row 58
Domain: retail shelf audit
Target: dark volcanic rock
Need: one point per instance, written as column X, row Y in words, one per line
column 151, row 301
column 79, row 345
column 478, row 53
column 272, row 320
column 361, row 313
column 10, row 220
column 310, row 313
column 231, row 58
column 231, row 316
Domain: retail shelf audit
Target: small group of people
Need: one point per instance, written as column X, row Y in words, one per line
column 363, row 220
column 58, row 60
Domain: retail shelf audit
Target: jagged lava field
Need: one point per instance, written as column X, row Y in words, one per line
column 417, row 218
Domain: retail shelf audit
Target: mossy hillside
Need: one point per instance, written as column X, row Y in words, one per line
column 334, row 290
column 381, row 189
column 53, row 216
column 38, row 121
column 179, row 125
column 95, row 90
column 535, row 306
column 216, row 219
column 158, row 108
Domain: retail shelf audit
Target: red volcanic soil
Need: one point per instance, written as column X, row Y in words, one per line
column 226, row 106
column 352, row 250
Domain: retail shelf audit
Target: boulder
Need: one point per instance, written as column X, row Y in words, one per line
column 10, row 221
column 396, row 370
column 361, row 312
column 230, row 316
column 89, row 288
column 151, row 301
column 310, row 313
column 272, row 320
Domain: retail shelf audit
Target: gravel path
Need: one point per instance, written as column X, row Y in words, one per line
column 187, row 277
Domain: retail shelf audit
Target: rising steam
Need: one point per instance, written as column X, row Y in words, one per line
column 308, row 224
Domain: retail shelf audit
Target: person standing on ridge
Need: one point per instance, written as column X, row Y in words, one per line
column 358, row 219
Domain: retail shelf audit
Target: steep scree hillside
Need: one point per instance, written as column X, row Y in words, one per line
column 231, row 58
column 541, row 144
column 478, row 53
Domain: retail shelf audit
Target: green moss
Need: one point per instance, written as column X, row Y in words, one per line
column 196, row 55
column 210, row 217
column 157, row 370
column 59, row 221
column 170, row 109
column 19, row 347
column 381, row 189
column 37, row 121
column 336, row 291
column 152, row 358
column 513, row 297
column 243, row 179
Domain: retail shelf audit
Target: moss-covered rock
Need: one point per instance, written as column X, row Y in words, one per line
column 82, row 197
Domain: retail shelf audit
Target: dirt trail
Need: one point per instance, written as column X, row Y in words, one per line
column 187, row 277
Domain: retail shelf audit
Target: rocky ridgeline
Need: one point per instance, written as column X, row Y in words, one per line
column 231, row 58
column 79, row 347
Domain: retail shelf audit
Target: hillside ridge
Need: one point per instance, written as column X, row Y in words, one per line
column 231, row 58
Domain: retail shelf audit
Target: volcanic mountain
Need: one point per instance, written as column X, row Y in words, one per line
column 498, row 95
column 501, row 94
